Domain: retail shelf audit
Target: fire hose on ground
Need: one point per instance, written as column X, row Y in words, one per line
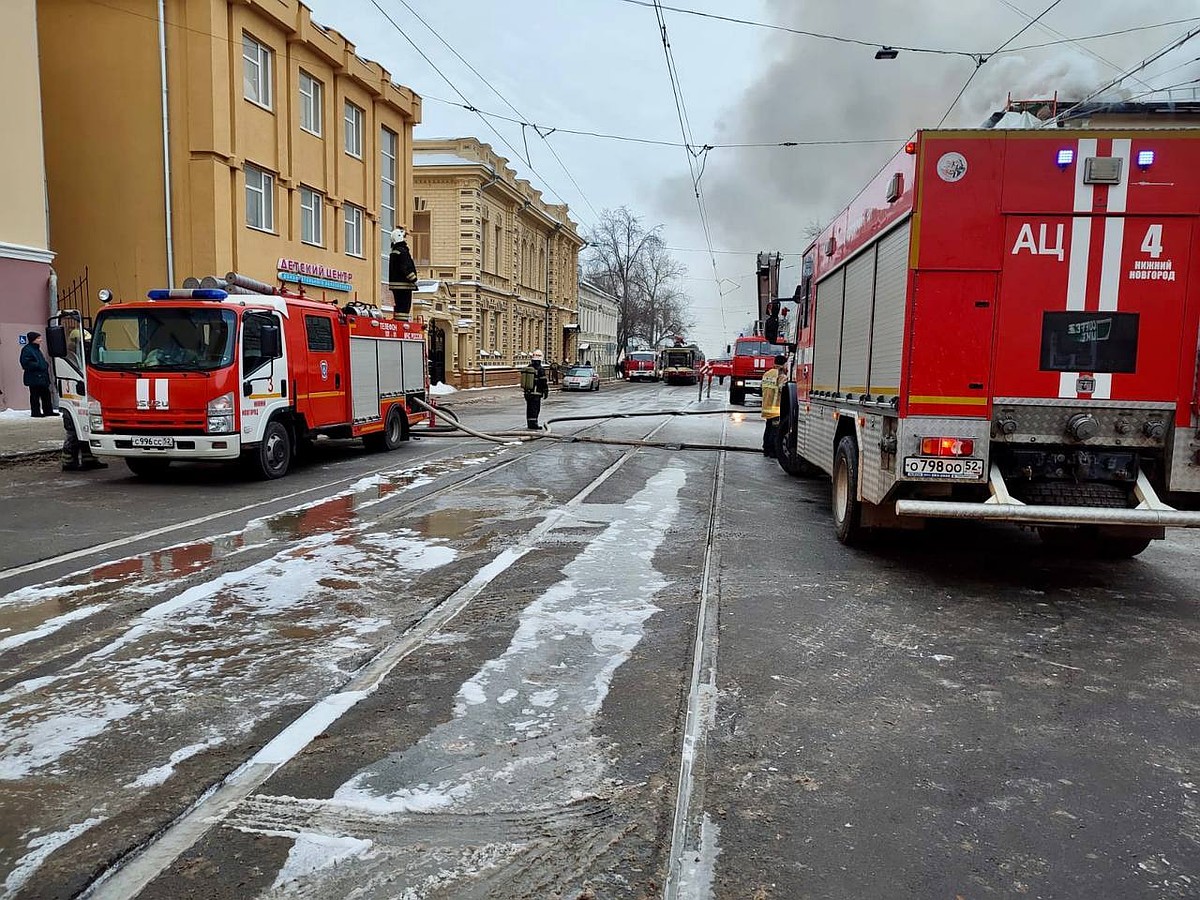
column 509, row 437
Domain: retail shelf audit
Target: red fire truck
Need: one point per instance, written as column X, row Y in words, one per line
column 641, row 365
column 752, row 356
column 205, row 374
column 1003, row 325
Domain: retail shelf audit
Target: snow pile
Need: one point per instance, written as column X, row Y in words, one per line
column 437, row 389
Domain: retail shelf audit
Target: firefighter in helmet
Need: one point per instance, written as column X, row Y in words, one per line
column 402, row 272
column 535, row 387
column 772, row 386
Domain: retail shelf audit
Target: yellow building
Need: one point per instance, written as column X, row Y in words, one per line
column 268, row 147
column 25, row 274
column 507, row 260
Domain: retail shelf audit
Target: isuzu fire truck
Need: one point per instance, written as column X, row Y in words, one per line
column 1003, row 325
column 206, row 374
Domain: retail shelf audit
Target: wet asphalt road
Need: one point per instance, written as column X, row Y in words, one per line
column 461, row 670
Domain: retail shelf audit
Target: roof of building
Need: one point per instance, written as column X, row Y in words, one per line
column 424, row 158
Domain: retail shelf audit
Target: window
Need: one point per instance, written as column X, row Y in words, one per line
column 419, row 239
column 320, row 333
column 260, row 199
column 354, row 130
column 388, row 149
column 312, row 94
column 354, row 230
column 252, row 328
column 164, row 339
column 756, row 348
column 256, row 71
column 498, row 252
column 312, row 217
column 1089, row 342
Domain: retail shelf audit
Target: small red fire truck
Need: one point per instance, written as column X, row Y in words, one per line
column 208, row 374
column 752, row 356
column 1003, row 325
column 641, row 365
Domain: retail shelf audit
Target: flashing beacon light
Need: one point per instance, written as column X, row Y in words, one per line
column 186, row 294
column 911, row 148
column 1145, row 159
column 1065, row 157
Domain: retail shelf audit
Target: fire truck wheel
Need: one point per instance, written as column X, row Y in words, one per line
column 736, row 397
column 847, row 511
column 147, row 468
column 1082, row 541
column 273, row 456
column 392, row 436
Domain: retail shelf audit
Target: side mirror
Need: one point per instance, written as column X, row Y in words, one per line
column 771, row 329
column 247, row 388
column 271, row 342
column 56, row 342
column 729, row 349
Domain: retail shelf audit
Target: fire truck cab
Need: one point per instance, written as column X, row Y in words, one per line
column 1003, row 325
column 203, row 374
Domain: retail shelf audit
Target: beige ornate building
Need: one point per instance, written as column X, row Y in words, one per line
column 229, row 135
column 506, row 259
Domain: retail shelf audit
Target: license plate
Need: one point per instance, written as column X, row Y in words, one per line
column 154, row 443
column 939, row 467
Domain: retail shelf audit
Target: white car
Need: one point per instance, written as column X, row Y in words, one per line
column 581, row 378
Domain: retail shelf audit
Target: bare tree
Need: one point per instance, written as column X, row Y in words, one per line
column 663, row 307
column 616, row 247
column 813, row 229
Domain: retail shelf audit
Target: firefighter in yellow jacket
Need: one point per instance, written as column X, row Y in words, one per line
column 772, row 386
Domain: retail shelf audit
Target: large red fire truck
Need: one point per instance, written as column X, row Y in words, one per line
column 641, row 365
column 752, row 356
column 208, row 374
column 1003, row 325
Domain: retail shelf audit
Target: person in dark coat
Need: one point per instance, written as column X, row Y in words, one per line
column 536, row 388
column 37, row 376
column 402, row 273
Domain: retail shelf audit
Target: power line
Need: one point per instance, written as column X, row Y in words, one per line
column 981, row 59
column 504, row 100
column 1172, row 45
column 454, row 88
column 655, row 4
column 1103, row 34
column 685, row 129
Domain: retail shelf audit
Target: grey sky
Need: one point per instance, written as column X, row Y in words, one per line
column 598, row 65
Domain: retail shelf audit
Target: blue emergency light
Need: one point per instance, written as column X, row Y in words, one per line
column 187, row 294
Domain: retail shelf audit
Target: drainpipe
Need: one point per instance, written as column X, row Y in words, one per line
column 166, row 136
column 548, row 335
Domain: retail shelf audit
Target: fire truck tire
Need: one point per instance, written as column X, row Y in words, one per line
column 736, row 397
column 272, row 458
column 847, row 511
column 393, row 435
column 147, row 468
column 785, row 453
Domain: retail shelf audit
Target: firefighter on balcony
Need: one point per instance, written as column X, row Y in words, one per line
column 402, row 273
column 772, row 385
column 536, row 388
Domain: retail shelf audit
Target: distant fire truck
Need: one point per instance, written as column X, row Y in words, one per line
column 752, row 356
column 248, row 372
column 1003, row 325
column 641, row 365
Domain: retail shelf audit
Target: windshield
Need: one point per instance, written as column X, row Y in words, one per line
column 164, row 339
column 678, row 357
column 580, row 371
column 756, row 348
column 642, row 357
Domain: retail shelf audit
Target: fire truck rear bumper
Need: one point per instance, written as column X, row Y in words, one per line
column 197, row 447
column 1150, row 512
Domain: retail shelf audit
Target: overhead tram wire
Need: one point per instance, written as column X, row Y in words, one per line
column 1103, row 34
column 981, row 59
column 1054, row 32
column 468, row 106
column 1152, row 58
column 685, row 130
column 491, row 87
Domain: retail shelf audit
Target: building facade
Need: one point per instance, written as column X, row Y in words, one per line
column 270, row 148
column 25, row 258
column 507, row 259
column 598, row 311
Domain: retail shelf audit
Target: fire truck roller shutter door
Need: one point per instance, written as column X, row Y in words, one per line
column 856, row 323
column 391, row 377
column 364, row 378
column 414, row 366
column 827, row 344
column 887, row 329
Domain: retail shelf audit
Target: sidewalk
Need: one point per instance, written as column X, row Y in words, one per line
column 24, row 437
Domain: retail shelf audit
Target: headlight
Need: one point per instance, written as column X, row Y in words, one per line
column 95, row 416
column 220, row 414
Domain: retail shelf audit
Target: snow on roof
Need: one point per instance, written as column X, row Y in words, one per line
column 421, row 158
